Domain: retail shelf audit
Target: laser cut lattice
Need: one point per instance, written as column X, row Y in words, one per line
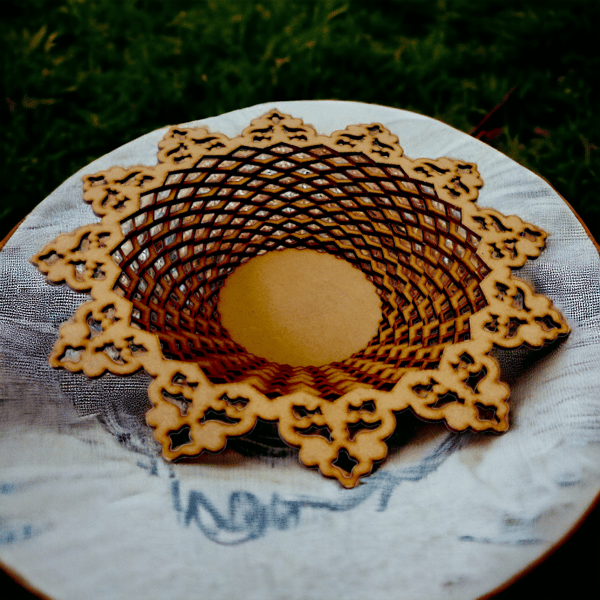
column 170, row 235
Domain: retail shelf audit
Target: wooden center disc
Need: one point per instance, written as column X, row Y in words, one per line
column 300, row 307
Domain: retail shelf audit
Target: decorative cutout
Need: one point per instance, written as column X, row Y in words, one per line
column 170, row 235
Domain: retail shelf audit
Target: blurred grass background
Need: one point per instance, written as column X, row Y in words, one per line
column 82, row 77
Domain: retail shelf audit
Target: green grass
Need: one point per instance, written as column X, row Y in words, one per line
column 82, row 77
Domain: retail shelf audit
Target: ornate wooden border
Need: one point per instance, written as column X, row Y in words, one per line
column 442, row 266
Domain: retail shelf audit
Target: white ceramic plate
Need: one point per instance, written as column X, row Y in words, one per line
column 89, row 509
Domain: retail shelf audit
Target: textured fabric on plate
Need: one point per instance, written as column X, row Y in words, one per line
column 84, row 492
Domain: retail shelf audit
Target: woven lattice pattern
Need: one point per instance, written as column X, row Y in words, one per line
column 170, row 235
column 194, row 229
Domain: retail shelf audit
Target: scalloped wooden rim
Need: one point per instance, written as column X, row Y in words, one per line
column 180, row 149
